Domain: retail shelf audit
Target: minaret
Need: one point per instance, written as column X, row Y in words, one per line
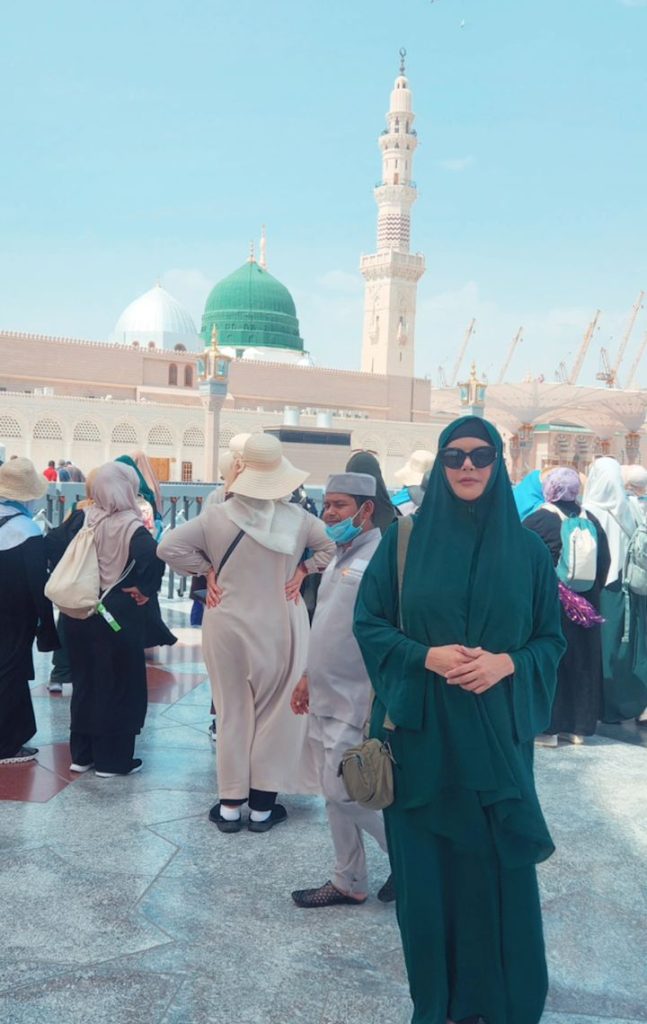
column 393, row 272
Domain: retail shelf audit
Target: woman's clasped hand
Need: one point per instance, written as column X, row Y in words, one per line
column 471, row 668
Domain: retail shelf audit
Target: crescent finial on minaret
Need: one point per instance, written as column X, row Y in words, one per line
column 403, row 54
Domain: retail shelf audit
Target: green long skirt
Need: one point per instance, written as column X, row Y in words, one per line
column 624, row 658
column 471, row 932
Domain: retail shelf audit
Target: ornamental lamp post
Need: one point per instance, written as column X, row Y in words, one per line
column 472, row 394
column 212, row 385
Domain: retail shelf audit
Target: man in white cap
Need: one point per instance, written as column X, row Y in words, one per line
column 411, row 477
column 335, row 691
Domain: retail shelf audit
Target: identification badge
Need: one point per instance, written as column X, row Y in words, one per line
column 110, row 619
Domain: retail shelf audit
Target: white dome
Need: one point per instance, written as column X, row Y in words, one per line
column 159, row 318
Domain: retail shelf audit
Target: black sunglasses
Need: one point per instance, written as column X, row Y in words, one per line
column 454, row 458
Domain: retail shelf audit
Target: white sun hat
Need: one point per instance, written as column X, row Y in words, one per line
column 266, row 473
column 20, row 481
column 414, row 469
column 238, row 442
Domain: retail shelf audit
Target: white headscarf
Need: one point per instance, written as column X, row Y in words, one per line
column 274, row 524
column 604, row 496
column 19, row 526
column 115, row 517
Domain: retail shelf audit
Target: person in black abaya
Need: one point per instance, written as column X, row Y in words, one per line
column 109, row 699
column 25, row 612
column 578, row 701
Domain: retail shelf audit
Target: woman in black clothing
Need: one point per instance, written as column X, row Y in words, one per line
column 25, row 612
column 578, row 700
column 109, row 699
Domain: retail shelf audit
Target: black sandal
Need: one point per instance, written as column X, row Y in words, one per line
column 325, row 896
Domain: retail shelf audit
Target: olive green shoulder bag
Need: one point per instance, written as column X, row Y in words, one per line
column 367, row 769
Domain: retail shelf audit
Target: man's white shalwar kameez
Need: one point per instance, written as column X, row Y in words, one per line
column 340, row 697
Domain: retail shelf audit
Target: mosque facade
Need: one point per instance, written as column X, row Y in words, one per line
column 92, row 400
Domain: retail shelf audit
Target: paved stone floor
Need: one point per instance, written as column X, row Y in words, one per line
column 121, row 904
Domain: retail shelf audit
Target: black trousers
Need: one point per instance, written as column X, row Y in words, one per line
column 61, row 671
column 17, row 722
column 109, row 753
column 258, row 800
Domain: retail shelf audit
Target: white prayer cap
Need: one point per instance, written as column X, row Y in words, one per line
column 361, row 485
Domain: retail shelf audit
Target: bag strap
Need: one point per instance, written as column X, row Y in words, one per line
column 230, row 550
column 405, row 526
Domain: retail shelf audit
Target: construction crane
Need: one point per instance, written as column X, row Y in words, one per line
column 453, row 380
column 442, row 377
column 608, row 373
column 636, row 363
column 584, row 347
column 561, row 373
column 511, row 351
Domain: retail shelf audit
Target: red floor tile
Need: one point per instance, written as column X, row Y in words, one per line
column 38, row 781
column 166, row 688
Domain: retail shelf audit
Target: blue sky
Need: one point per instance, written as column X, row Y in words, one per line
column 152, row 139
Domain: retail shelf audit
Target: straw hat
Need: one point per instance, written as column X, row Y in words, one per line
column 19, row 481
column 419, row 463
column 266, row 473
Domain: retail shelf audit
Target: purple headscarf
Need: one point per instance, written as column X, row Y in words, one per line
column 562, row 485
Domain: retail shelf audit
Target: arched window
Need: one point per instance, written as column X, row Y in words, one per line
column 9, row 427
column 188, row 376
column 160, row 434
column 86, row 430
column 226, row 434
column 193, row 437
column 123, row 433
column 172, row 374
column 48, row 430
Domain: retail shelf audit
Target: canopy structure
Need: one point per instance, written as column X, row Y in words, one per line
column 518, row 409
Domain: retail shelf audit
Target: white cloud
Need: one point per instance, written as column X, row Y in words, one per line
column 456, row 164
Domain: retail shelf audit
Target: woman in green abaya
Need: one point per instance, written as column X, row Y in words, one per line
column 467, row 681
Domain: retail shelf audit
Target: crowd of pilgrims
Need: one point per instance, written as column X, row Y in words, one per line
column 463, row 641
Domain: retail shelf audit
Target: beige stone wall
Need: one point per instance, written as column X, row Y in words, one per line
column 86, row 368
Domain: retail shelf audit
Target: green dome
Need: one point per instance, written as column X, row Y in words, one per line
column 252, row 308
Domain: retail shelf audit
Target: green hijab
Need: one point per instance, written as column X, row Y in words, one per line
column 365, row 462
column 144, row 489
column 474, row 576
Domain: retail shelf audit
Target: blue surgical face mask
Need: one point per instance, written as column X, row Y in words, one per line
column 346, row 531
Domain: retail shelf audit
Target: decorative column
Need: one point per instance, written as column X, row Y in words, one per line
column 514, row 448
column 472, row 395
column 212, row 386
column 632, row 447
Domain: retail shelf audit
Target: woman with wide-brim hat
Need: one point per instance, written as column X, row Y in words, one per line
column 255, row 639
column 466, row 671
column 25, row 612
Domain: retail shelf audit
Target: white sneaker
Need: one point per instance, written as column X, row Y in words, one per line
column 80, row 768
column 55, row 687
column 546, row 740
column 571, row 737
